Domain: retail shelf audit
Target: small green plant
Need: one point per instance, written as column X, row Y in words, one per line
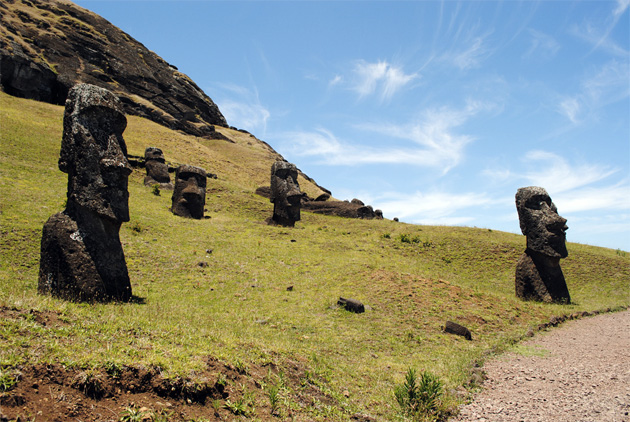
column 113, row 369
column 155, row 190
column 273, row 392
column 221, row 380
column 420, row 398
column 131, row 414
column 404, row 238
column 244, row 405
column 240, row 366
column 386, row 236
column 7, row 381
column 90, row 383
column 160, row 416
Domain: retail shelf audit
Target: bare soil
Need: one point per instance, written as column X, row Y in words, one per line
column 577, row 372
column 54, row 392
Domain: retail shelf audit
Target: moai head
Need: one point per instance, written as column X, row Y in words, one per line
column 285, row 193
column 189, row 195
column 540, row 222
column 157, row 170
column 94, row 154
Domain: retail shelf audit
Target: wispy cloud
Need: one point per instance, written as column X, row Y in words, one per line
column 242, row 108
column 555, row 174
column 608, row 85
column 597, row 33
column 380, row 78
column 542, row 46
column 440, row 208
column 430, row 141
column 607, row 198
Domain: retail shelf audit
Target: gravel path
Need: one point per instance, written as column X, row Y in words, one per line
column 577, row 372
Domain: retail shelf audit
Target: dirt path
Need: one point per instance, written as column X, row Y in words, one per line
column 577, row 372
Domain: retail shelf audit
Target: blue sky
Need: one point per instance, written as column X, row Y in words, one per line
column 435, row 112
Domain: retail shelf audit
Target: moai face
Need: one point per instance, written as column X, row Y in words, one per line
column 540, row 222
column 157, row 170
column 94, row 153
column 285, row 193
column 189, row 196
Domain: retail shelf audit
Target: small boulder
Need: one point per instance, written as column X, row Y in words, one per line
column 351, row 305
column 454, row 328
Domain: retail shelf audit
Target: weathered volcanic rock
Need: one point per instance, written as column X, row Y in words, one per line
column 81, row 254
column 48, row 46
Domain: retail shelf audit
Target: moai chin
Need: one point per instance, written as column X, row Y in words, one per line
column 81, row 255
column 285, row 194
column 157, row 170
column 189, row 195
column 538, row 273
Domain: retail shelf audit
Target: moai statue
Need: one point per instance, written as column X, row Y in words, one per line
column 189, row 196
column 538, row 273
column 81, row 255
column 285, row 194
column 157, row 170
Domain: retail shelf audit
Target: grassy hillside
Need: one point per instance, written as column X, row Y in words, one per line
column 258, row 299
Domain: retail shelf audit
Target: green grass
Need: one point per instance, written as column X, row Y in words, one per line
column 238, row 308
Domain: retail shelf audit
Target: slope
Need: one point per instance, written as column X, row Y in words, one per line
column 229, row 310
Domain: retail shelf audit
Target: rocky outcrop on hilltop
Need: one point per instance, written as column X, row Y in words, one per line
column 48, row 46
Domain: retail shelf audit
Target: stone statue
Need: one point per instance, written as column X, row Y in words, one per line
column 157, row 170
column 538, row 273
column 189, row 196
column 81, row 255
column 285, row 194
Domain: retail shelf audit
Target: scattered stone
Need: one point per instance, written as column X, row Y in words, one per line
column 157, row 170
column 285, row 194
column 81, row 255
column 454, row 328
column 351, row 305
column 538, row 273
column 203, row 264
column 189, row 195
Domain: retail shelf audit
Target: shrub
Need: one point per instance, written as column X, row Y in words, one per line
column 420, row 398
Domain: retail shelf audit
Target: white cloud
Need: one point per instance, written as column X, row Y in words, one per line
column 336, row 80
column 431, row 208
column 431, row 141
column 554, row 173
column 379, row 78
column 570, row 107
column 615, row 197
column 622, row 6
column 541, row 45
column 471, row 56
column 608, row 85
column 242, row 108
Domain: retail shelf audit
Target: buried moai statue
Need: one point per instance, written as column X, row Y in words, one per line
column 538, row 273
column 157, row 170
column 189, row 195
column 285, row 194
column 81, row 255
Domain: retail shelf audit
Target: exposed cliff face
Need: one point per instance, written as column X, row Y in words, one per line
column 47, row 46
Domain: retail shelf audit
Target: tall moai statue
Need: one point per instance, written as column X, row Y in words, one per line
column 189, row 195
column 81, row 255
column 285, row 194
column 538, row 273
column 157, row 170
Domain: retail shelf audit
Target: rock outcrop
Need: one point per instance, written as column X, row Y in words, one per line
column 48, row 46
